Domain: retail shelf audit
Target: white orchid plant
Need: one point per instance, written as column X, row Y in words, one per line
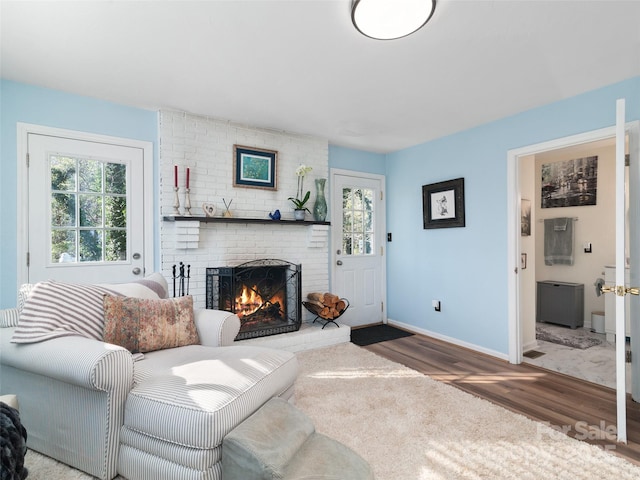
column 299, row 201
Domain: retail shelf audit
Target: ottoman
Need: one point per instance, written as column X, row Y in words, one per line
column 280, row 442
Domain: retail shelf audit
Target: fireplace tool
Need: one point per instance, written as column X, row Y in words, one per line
column 181, row 277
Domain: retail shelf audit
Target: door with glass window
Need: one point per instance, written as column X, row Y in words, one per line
column 85, row 210
column 358, row 247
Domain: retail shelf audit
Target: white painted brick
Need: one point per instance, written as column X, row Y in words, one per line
column 205, row 145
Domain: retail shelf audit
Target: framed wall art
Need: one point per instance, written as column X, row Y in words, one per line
column 525, row 218
column 443, row 204
column 569, row 183
column 254, row 167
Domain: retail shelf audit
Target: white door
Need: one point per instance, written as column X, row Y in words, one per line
column 621, row 289
column 358, row 245
column 85, row 219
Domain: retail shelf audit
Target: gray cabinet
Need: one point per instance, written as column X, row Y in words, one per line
column 561, row 303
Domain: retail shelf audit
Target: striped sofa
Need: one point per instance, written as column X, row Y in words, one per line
column 94, row 406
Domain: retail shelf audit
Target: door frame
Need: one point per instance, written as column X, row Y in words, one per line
column 336, row 219
column 22, row 227
column 513, row 217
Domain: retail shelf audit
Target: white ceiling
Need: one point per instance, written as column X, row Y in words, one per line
column 300, row 66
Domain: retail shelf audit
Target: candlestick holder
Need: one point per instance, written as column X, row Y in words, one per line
column 187, row 202
column 176, row 201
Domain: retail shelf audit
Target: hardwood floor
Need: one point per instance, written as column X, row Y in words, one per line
column 584, row 410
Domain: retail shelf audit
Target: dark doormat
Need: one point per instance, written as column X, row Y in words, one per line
column 377, row 333
column 532, row 354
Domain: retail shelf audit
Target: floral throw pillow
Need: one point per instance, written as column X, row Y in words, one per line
column 145, row 325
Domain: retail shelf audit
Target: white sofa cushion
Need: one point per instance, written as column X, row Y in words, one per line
column 203, row 393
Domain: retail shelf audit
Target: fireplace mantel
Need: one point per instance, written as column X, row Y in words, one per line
column 181, row 218
column 187, row 228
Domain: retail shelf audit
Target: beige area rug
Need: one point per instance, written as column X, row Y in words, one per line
column 411, row 427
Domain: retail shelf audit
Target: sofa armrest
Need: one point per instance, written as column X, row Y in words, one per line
column 76, row 360
column 216, row 328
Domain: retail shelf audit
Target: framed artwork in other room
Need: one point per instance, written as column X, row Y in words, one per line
column 254, row 167
column 525, row 218
column 443, row 204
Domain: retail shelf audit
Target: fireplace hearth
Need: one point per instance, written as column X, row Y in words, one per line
column 265, row 294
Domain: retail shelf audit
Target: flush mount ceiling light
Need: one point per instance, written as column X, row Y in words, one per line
column 390, row 19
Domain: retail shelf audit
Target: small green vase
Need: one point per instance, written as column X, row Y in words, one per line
column 320, row 206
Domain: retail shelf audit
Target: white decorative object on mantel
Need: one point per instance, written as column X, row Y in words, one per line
column 176, row 201
column 187, row 202
column 187, row 234
column 318, row 235
column 209, row 209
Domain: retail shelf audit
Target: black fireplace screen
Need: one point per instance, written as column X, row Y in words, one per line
column 265, row 294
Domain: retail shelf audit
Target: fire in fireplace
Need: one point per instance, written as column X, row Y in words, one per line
column 265, row 294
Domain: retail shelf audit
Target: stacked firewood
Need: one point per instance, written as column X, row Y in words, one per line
column 328, row 305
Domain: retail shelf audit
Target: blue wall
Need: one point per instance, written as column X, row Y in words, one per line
column 357, row 160
column 28, row 104
column 466, row 268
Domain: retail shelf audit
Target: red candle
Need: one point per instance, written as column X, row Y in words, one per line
column 175, row 176
column 187, row 177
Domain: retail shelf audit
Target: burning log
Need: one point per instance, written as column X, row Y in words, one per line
column 327, row 305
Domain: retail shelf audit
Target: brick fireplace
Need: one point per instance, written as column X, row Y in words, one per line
column 206, row 146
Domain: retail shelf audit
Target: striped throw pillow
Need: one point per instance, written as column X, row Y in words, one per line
column 23, row 294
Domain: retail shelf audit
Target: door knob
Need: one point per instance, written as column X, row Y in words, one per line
column 339, row 262
column 136, row 271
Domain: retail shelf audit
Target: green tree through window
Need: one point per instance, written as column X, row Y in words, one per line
column 88, row 210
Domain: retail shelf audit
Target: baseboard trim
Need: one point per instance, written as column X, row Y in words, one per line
column 445, row 338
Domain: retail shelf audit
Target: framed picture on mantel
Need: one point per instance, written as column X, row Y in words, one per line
column 254, row 167
column 443, row 204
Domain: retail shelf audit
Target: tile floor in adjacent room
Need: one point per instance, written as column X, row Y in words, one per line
column 595, row 364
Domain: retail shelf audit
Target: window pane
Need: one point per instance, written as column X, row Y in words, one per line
column 90, row 175
column 63, row 246
column 115, row 178
column 357, row 244
column 357, row 199
column 357, row 222
column 63, row 210
column 90, row 245
column 368, row 199
column 347, row 221
column 346, row 244
column 115, row 211
column 115, row 245
column 63, row 173
column 346, row 198
column 368, row 221
column 90, row 211
column 368, row 243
